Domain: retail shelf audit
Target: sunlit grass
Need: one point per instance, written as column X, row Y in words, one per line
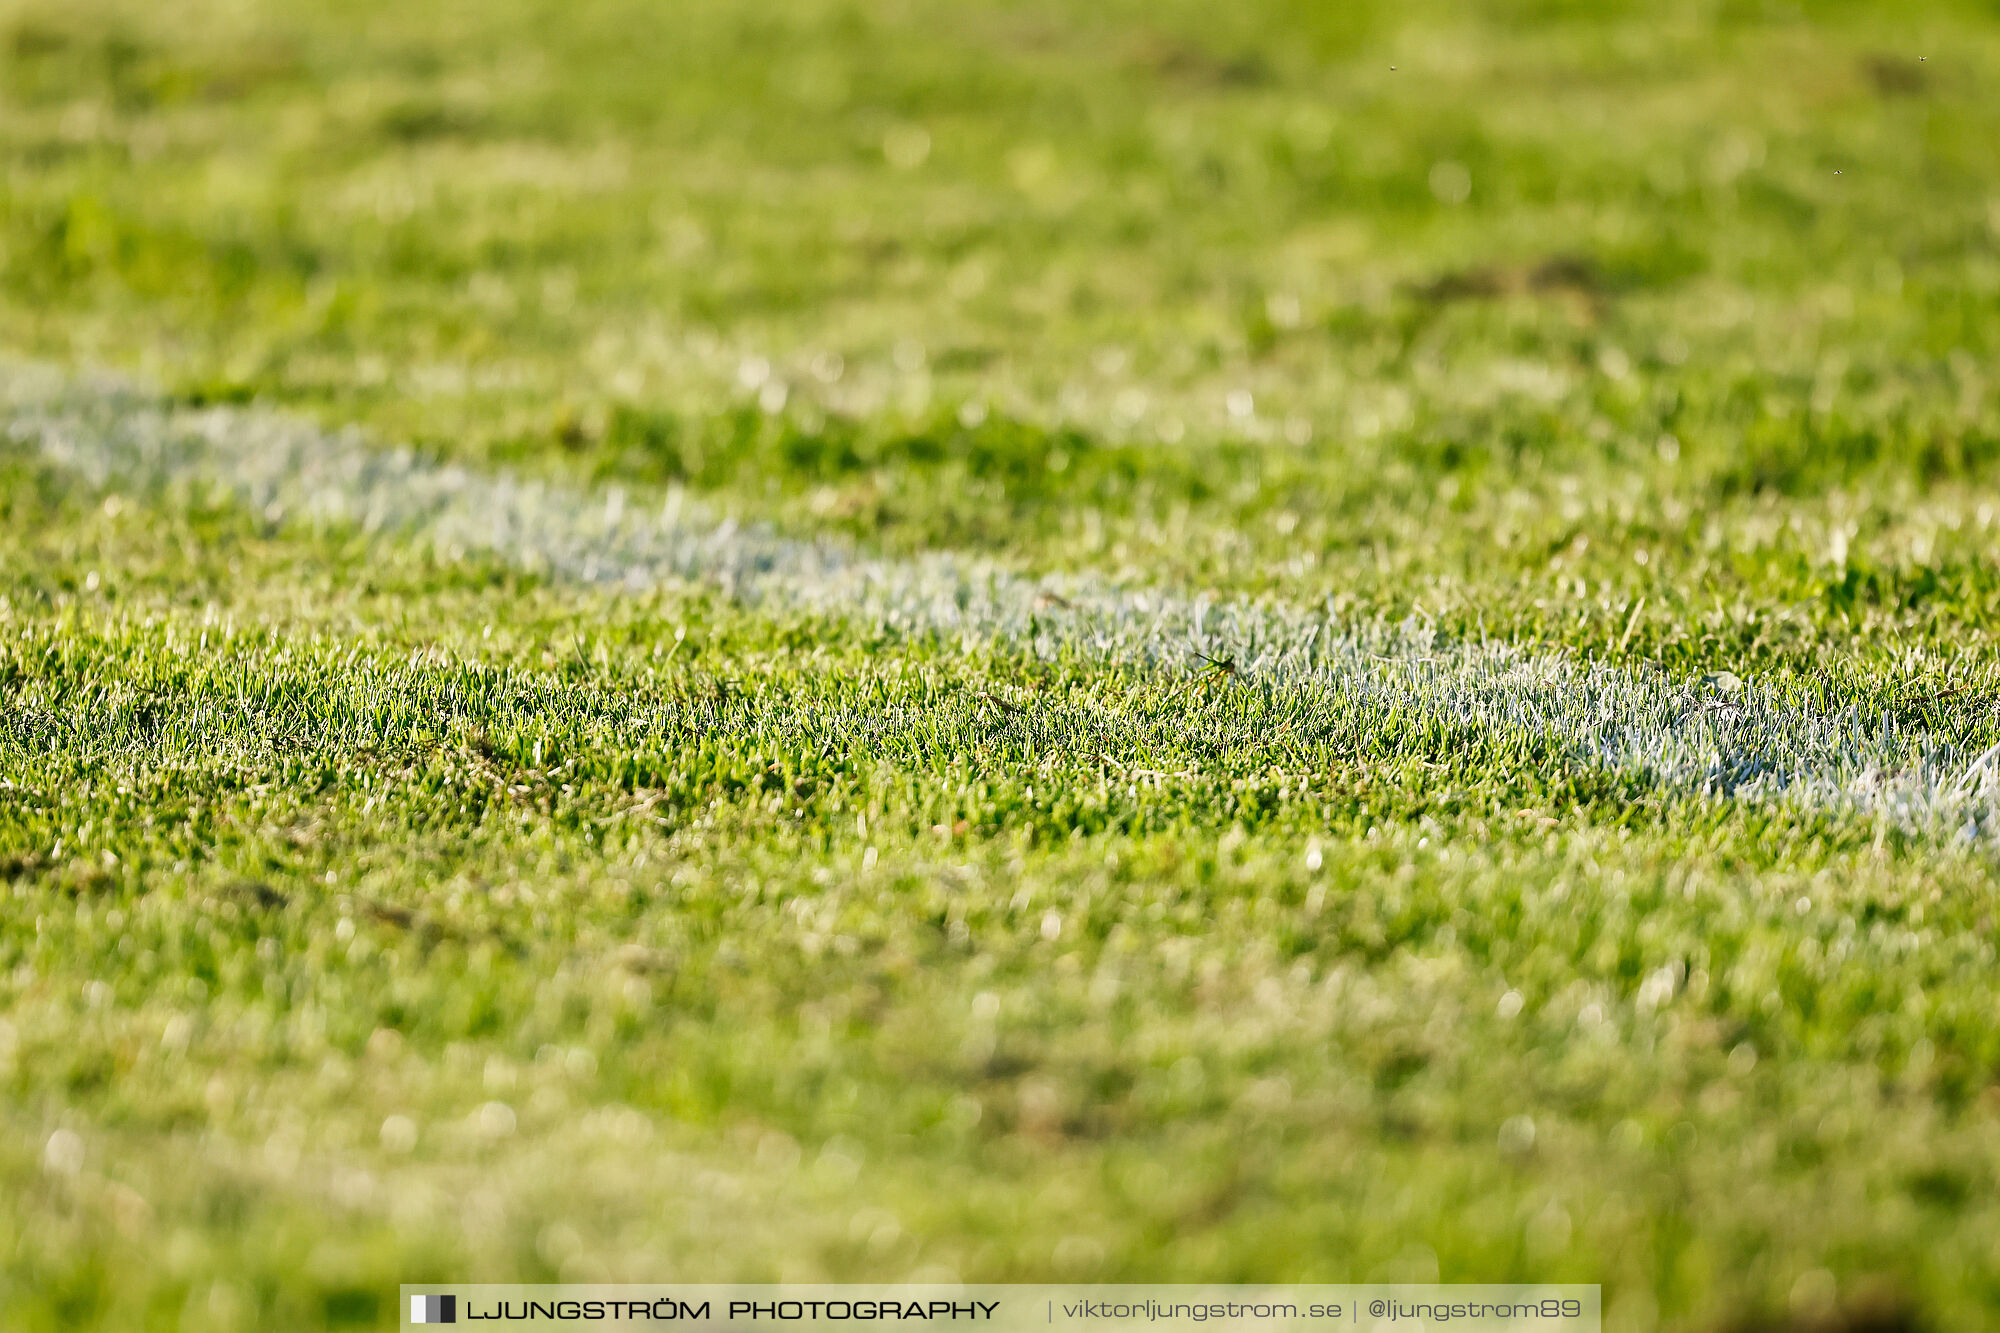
column 370, row 912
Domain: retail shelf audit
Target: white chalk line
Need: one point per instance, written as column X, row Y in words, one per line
column 1751, row 746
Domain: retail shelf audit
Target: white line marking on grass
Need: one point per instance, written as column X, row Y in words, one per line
column 1751, row 747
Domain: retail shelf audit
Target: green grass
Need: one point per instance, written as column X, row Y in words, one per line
column 368, row 916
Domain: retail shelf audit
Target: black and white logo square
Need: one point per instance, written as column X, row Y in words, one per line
column 434, row 1309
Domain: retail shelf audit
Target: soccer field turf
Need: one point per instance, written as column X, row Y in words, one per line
column 912, row 641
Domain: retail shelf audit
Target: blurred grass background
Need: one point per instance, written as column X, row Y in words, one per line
column 1353, row 263
column 1656, row 333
